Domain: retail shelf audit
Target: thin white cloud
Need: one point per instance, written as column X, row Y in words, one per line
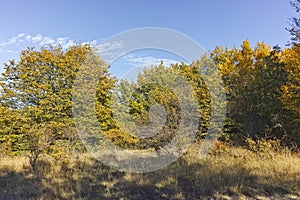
column 46, row 41
column 109, row 46
column 67, row 43
column 10, row 41
column 28, row 38
column 110, row 50
column 93, row 43
column 11, row 51
column 62, row 39
column 37, row 40
column 12, row 46
column 8, row 51
column 147, row 61
column 21, row 35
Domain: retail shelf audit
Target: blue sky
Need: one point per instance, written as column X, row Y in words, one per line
column 209, row 22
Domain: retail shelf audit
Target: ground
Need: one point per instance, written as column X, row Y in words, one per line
column 226, row 173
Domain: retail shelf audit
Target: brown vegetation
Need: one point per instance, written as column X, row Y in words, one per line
column 226, row 173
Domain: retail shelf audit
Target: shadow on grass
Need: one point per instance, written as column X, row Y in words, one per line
column 20, row 185
column 86, row 178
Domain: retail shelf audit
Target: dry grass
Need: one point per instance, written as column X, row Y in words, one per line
column 226, row 173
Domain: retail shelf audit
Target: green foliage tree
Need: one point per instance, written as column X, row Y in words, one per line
column 155, row 87
column 135, row 101
column 12, row 128
column 253, row 80
column 37, row 94
column 193, row 74
column 291, row 92
column 36, row 97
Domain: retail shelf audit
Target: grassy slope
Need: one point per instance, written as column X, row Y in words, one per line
column 227, row 173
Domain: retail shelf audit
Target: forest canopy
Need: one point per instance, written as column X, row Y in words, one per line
column 262, row 85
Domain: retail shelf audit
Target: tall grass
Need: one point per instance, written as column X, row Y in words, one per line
column 226, row 173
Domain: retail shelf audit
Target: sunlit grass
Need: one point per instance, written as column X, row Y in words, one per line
column 227, row 172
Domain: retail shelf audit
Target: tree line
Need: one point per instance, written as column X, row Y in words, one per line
column 261, row 83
